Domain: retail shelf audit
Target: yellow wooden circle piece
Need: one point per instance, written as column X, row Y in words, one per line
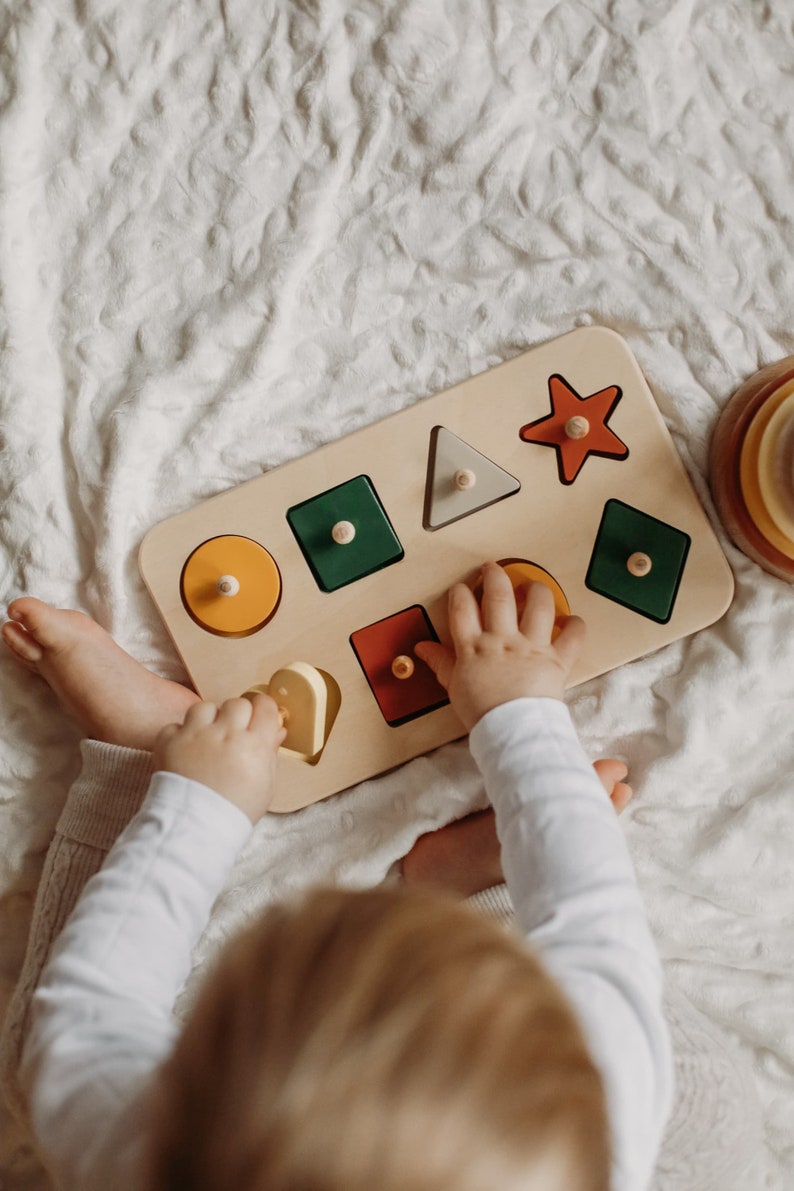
column 521, row 572
column 749, row 470
column 243, row 559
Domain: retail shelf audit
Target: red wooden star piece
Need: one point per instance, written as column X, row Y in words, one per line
column 577, row 427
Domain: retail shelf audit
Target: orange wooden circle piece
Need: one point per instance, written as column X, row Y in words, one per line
column 255, row 570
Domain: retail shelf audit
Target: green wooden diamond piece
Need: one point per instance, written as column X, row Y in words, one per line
column 624, row 531
column 374, row 546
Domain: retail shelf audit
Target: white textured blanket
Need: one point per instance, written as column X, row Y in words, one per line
column 231, row 230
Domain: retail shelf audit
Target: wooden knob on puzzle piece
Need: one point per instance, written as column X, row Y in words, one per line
column 402, row 666
column 227, row 585
column 343, row 532
column 464, row 479
column 638, row 564
column 577, row 427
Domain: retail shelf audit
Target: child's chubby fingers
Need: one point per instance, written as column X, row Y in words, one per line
column 265, row 717
column 620, row 796
column 611, row 773
column 440, row 658
column 499, row 613
column 537, row 619
column 465, row 626
column 165, row 735
column 231, row 748
column 568, row 644
column 234, row 715
column 201, row 715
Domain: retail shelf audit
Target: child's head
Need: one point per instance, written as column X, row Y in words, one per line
column 387, row 1040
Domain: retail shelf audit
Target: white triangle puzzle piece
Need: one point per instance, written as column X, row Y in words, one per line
column 460, row 480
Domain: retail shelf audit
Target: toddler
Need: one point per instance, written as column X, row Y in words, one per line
column 370, row 1041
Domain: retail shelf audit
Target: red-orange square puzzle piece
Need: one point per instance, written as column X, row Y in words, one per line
column 380, row 645
column 577, row 427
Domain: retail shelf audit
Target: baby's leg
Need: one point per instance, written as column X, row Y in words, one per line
column 465, row 858
column 111, row 695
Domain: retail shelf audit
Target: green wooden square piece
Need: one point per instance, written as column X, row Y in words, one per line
column 374, row 546
column 624, row 531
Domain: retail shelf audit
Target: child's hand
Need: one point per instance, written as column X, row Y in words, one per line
column 494, row 659
column 231, row 748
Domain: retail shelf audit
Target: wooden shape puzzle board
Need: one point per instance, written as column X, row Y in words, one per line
column 548, row 522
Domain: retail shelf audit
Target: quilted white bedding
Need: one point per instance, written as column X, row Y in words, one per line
column 231, row 230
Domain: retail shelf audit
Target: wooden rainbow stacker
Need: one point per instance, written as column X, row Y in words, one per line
column 316, row 580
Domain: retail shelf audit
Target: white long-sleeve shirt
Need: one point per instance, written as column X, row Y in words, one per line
column 576, row 898
column 102, row 1016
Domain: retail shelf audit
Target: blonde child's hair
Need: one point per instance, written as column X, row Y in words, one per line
column 388, row 1040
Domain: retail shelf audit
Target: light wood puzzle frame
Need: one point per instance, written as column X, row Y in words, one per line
column 546, row 522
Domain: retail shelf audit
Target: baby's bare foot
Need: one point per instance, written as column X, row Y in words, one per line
column 111, row 695
column 464, row 857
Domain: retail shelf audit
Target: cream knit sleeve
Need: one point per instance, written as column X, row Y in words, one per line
column 104, row 798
